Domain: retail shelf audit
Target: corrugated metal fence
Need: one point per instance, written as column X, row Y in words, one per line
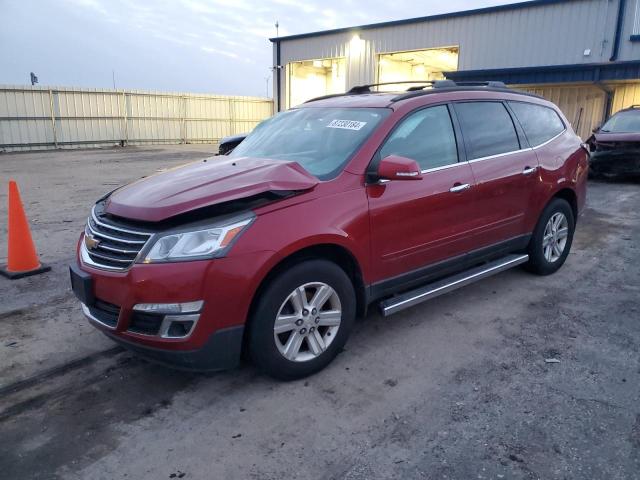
column 44, row 118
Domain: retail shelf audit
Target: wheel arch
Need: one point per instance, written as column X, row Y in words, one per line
column 333, row 252
column 569, row 195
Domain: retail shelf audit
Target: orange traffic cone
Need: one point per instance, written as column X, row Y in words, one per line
column 22, row 259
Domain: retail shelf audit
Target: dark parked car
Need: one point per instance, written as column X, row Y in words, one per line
column 615, row 147
column 323, row 210
column 227, row 144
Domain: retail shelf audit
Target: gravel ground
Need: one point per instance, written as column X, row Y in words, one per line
column 456, row 388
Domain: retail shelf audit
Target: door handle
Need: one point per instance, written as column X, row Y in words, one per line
column 459, row 188
column 529, row 170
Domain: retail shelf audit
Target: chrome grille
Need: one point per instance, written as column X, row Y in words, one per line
column 111, row 245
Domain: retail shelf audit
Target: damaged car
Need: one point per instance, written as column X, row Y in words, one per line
column 615, row 147
column 228, row 143
column 347, row 201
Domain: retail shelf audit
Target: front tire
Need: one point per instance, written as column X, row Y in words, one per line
column 552, row 238
column 302, row 320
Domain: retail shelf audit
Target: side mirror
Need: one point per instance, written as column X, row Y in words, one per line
column 595, row 129
column 395, row 167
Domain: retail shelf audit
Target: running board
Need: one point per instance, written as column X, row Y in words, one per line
column 448, row 284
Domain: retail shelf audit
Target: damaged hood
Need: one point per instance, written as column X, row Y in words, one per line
column 202, row 184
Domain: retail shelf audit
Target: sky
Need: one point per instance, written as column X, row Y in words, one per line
column 204, row 46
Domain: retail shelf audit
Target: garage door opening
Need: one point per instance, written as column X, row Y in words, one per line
column 416, row 65
column 314, row 78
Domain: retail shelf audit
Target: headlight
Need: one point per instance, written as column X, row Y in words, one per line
column 195, row 244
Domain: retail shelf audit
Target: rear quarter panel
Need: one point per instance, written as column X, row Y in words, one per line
column 563, row 165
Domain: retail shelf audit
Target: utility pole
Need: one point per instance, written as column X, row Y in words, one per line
column 277, row 29
column 267, row 80
column 113, row 78
column 34, row 79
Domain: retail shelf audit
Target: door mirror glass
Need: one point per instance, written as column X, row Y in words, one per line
column 395, row 167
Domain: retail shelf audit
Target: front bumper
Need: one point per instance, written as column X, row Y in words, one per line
column 220, row 352
column 225, row 285
column 615, row 163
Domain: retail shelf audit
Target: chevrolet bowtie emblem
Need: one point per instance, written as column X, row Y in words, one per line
column 91, row 242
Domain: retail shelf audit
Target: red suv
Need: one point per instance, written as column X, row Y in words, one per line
column 323, row 210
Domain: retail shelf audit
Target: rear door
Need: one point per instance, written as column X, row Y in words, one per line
column 415, row 223
column 504, row 167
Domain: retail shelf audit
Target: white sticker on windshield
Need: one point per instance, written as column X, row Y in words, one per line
column 346, row 124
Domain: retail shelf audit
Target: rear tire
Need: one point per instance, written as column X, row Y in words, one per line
column 552, row 238
column 302, row 320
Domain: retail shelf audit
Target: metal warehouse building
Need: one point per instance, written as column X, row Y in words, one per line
column 584, row 55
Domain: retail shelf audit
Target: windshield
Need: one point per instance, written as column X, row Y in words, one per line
column 623, row 122
column 321, row 140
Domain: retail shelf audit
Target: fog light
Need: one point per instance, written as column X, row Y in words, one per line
column 169, row 308
column 178, row 326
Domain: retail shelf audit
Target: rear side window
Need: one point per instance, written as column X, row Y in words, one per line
column 539, row 123
column 487, row 128
column 426, row 136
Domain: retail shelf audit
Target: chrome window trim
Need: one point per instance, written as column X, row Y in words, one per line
column 489, row 157
column 444, row 167
column 550, row 140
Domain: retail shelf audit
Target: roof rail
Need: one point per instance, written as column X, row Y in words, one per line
column 451, row 85
column 367, row 88
column 422, row 85
column 435, row 84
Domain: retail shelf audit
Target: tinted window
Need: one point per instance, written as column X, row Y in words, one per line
column 426, row 136
column 539, row 123
column 487, row 128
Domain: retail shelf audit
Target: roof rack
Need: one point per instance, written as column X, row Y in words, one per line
column 359, row 89
column 424, row 87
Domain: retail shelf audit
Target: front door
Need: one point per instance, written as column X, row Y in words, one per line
column 416, row 223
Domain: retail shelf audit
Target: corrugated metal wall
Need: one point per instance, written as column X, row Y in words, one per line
column 41, row 118
column 552, row 34
column 625, row 95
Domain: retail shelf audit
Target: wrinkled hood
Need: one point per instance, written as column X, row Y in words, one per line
column 616, row 137
column 202, row 184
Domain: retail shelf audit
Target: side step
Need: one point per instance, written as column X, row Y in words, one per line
column 448, row 284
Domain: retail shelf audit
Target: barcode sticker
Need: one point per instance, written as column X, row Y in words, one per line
column 346, row 124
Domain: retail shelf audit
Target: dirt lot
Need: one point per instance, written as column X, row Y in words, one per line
column 456, row 388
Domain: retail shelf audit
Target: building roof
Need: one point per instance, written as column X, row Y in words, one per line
column 441, row 16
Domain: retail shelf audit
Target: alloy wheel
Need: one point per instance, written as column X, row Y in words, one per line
column 307, row 322
column 555, row 236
